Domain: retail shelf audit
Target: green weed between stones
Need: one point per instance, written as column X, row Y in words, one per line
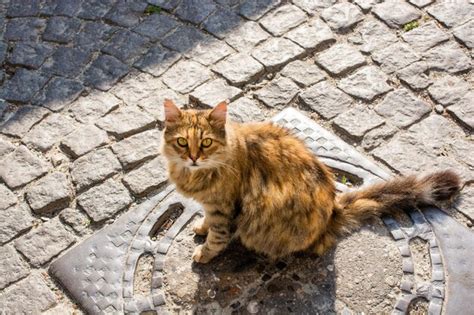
column 152, row 9
column 409, row 26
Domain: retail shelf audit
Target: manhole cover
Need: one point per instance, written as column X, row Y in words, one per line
column 420, row 262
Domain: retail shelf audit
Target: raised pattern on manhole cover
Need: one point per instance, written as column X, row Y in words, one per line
column 99, row 272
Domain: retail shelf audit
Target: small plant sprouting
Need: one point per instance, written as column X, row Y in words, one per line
column 152, row 9
column 409, row 26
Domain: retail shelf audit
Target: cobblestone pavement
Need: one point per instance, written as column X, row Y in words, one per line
column 82, row 84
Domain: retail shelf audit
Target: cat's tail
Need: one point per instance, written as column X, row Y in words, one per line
column 356, row 206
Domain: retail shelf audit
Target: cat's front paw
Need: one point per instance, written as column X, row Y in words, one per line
column 201, row 256
column 200, row 227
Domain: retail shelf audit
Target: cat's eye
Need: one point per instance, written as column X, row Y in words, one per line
column 182, row 142
column 206, row 143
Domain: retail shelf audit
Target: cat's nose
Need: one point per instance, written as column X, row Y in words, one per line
column 193, row 157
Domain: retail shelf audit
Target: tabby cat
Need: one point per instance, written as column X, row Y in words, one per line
column 259, row 183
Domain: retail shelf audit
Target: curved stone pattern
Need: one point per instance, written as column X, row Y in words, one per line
column 99, row 273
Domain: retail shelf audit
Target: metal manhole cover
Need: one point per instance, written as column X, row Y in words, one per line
column 100, row 272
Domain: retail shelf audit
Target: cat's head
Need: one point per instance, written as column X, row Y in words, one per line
column 195, row 139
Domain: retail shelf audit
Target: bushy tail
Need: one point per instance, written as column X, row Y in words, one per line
column 355, row 207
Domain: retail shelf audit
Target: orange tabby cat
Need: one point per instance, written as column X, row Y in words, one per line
column 262, row 185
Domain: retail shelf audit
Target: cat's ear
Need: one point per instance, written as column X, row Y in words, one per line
column 172, row 112
column 219, row 114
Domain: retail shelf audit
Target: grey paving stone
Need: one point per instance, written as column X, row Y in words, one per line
column 426, row 36
column 415, row 75
column 90, row 108
column 13, row 266
column 358, row 121
column 326, row 100
column 147, row 178
column 451, row 13
column 276, row 52
column 135, row 86
column 209, row 51
column 126, row 46
column 21, row 167
column 94, row 9
column 23, row 85
column 213, row 92
column 342, row 16
column 195, row 76
column 50, row 193
column 448, row 89
column 156, row 26
column 375, row 35
column 126, row 13
column 340, row 59
column 77, row 220
column 277, row 93
column 31, row 55
column 23, row 8
column 68, row 8
column 157, row 60
column 58, row 93
column 463, row 110
column 25, row 29
column 138, row 148
column 83, row 140
column 396, row 13
column 32, row 289
column 378, row 136
column 8, row 198
column 126, row 121
column 6, row 147
column 228, row 3
column 13, row 221
column 245, row 110
column 3, row 50
column 449, row 57
column 312, row 35
column 183, row 39
column 41, row 244
column 395, row 57
column 402, row 108
column 222, row 22
column 239, row 69
column 420, row 3
column 314, row 6
column 253, row 10
column 195, row 11
column 67, row 62
column 303, row 73
column 47, row 7
column 49, row 131
column 104, row 72
column 165, row 4
column 104, row 201
column 283, row 19
column 465, row 202
column 23, row 119
column 465, row 34
column 366, row 5
column 93, row 36
column 61, row 29
column 366, row 83
column 153, row 104
column 93, row 168
column 246, row 36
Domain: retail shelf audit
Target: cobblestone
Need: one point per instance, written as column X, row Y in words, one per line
column 247, row 36
column 58, row 93
column 153, row 103
column 303, row 73
column 253, row 10
column 378, row 136
column 61, row 29
column 94, row 167
column 126, row 13
column 395, row 57
column 210, row 51
column 466, row 202
column 221, row 22
column 449, row 57
column 276, row 52
column 157, row 60
column 14, row 268
column 277, row 93
column 314, row 6
column 211, row 93
column 156, row 26
column 13, row 221
column 23, row 119
column 448, row 90
column 420, row 3
column 402, row 108
column 24, row 29
column 93, row 36
column 77, row 220
column 195, row 76
column 104, row 72
column 366, row 83
column 464, row 34
column 50, row 193
column 49, row 131
column 135, row 87
column 32, row 289
column 326, row 100
column 66, row 61
column 195, row 11
column 23, row 85
column 146, row 178
column 463, row 110
column 239, row 69
column 41, row 244
column 396, row 13
column 415, row 75
column 312, row 35
column 83, row 140
column 125, row 46
column 8, row 198
column 138, row 148
column 183, row 39
column 90, row 108
column 340, row 58
column 451, row 13
column 426, row 36
column 31, row 55
column 375, row 35
column 21, row 167
column 126, row 121
column 103, row 201
column 244, row 110
column 281, row 20
column 342, row 16
column 358, row 121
